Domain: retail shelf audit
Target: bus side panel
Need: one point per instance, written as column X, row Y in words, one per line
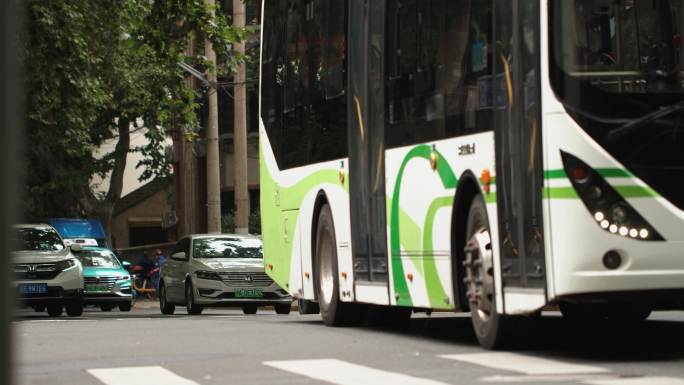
column 287, row 202
column 276, row 254
column 338, row 199
column 419, row 207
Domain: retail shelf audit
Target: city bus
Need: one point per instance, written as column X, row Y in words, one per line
column 495, row 157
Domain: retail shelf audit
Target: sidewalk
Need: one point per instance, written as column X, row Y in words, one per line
column 146, row 304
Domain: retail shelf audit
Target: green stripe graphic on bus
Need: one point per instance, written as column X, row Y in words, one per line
column 626, row 191
column 449, row 181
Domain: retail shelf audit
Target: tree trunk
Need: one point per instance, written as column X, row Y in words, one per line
column 106, row 207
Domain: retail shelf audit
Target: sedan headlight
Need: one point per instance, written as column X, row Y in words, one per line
column 124, row 278
column 65, row 264
column 207, row 275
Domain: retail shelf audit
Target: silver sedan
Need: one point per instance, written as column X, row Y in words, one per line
column 218, row 270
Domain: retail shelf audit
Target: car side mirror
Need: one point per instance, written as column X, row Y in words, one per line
column 126, row 265
column 180, row 256
column 76, row 248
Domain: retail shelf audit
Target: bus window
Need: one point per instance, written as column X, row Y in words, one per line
column 438, row 72
column 303, row 75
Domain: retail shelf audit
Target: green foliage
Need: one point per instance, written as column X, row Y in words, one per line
column 89, row 64
column 255, row 222
column 228, row 222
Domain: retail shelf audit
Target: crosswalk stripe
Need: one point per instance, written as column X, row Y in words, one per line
column 139, row 375
column 524, row 364
column 637, row 381
column 345, row 373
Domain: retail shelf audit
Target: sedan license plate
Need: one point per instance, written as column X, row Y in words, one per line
column 97, row 288
column 249, row 293
column 33, row 288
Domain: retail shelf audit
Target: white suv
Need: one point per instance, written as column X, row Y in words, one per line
column 46, row 274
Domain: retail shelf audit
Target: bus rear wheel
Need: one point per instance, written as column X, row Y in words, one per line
column 489, row 325
column 333, row 311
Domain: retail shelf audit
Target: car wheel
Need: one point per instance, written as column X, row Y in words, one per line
column 54, row 310
column 490, row 326
column 190, row 305
column 283, row 308
column 125, row 306
column 249, row 309
column 106, row 307
column 164, row 305
column 307, row 307
column 39, row 308
column 333, row 311
column 74, row 309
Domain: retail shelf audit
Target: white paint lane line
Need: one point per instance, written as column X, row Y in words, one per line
column 524, row 364
column 139, row 375
column 345, row 373
column 548, row 378
column 638, row 381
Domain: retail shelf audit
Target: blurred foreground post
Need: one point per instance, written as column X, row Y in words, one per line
column 10, row 112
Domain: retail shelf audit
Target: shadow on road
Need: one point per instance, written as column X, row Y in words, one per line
column 652, row 340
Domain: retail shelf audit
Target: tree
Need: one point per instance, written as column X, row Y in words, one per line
column 95, row 71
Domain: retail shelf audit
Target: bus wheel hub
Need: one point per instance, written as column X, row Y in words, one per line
column 479, row 273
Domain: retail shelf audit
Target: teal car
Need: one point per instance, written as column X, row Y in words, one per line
column 107, row 283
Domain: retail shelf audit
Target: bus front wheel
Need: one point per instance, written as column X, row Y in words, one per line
column 333, row 311
column 489, row 325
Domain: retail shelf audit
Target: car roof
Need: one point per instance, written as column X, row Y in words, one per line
column 95, row 248
column 32, row 226
column 222, row 235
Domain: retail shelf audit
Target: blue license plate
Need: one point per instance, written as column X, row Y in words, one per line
column 33, row 288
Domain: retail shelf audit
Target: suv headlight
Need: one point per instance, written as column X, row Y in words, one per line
column 66, row 264
column 207, row 275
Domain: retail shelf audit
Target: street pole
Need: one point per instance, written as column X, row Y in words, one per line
column 240, row 131
column 213, row 173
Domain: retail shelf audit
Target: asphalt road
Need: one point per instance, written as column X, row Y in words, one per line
column 226, row 347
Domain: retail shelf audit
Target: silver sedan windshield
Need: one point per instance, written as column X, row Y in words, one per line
column 222, row 247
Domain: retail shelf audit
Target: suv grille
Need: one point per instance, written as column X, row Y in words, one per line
column 246, row 279
column 31, row 271
column 92, row 283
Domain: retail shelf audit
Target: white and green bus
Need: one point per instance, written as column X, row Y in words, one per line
column 490, row 156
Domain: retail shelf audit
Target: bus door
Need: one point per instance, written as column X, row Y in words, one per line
column 519, row 173
column 367, row 150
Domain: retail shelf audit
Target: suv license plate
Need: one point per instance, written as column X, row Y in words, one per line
column 33, row 288
column 97, row 288
column 249, row 293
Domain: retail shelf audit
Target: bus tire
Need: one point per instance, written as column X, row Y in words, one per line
column 490, row 326
column 333, row 311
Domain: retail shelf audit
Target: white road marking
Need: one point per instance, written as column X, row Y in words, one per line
column 524, row 364
column 546, row 378
column 53, row 320
column 139, row 375
column 638, row 381
column 345, row 373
